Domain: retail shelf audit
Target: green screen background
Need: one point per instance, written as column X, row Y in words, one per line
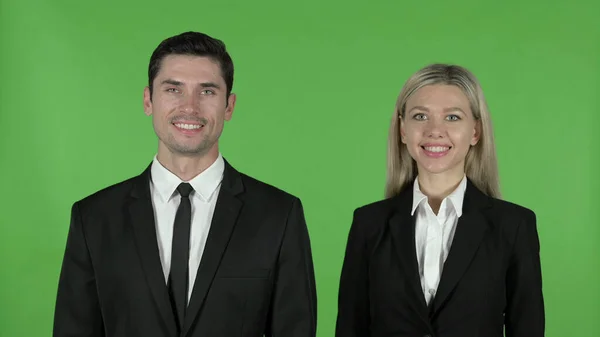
column 316, row 84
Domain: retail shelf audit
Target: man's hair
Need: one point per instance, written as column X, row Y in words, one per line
column 193, row 44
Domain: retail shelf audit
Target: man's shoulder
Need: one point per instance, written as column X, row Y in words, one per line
column 110, row 195
column 263, row 189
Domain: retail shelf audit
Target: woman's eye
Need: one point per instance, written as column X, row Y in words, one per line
column 453, row 117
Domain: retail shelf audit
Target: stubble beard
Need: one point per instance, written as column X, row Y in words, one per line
column 187, row 148
column 181, row 148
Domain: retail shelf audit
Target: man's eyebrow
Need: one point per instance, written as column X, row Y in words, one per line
column 203, row 84
column 172, row 82
column 210, row 85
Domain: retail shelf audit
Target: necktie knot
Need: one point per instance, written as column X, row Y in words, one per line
column 185, row 189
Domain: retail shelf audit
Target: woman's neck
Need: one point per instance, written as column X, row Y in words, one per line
column 438, row 186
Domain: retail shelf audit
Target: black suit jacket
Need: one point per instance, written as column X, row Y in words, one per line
column 255, row 277
column 490, row 280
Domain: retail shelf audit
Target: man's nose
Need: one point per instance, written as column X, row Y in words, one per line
column 190, row 104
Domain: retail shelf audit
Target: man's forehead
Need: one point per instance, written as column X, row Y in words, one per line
column 186, row 68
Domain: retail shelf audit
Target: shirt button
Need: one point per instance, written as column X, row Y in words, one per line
column 431, row 292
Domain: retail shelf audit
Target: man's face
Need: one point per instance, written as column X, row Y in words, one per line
column 189, row 105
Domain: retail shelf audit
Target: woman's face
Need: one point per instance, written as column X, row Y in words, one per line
column 438, row 129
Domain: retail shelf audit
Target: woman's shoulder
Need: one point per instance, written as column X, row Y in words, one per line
column 382, row 207
column 370, row 220
column 375, row 207
column 376, row 215
column 512, row 218
column 498, row 208
column 511, row 209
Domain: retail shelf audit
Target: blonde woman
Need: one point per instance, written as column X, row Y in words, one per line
column 442, row 254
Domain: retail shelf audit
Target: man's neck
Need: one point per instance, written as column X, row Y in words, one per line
column 186, row 167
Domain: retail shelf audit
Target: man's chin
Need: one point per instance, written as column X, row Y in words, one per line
column 190, row 150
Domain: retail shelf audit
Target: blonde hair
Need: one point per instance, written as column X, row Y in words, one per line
column 481, row 165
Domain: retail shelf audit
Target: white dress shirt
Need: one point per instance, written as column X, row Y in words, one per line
column 165, row 200
column 434, row 234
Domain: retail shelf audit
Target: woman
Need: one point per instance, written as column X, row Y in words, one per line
column 442, row 255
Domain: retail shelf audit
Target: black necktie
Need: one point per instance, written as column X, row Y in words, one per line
column 178, row 277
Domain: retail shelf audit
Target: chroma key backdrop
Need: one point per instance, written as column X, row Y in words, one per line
column 316, row 84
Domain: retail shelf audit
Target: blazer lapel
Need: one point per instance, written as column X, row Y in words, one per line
column 470, row 230
column 402, row 228
column 226, row 212
column 141, row 215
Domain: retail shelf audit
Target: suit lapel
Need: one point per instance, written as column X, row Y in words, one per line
column 402, row 228
column 227, row 209
column 141, row 215
column 470, row 230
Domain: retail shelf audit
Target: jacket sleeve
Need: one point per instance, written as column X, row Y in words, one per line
column 353, row 318
column 524, row 316
column 294, row 300
column 77, row 310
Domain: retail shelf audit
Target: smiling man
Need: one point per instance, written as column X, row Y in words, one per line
column 190, row 247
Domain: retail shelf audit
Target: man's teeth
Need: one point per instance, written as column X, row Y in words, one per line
column 437, row 148
column 188, row 126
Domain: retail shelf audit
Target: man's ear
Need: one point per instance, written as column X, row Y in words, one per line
column 230, row 106
column 147, row 101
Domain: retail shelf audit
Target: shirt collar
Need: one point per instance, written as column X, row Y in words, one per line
column 455, row 198
column 204, row 184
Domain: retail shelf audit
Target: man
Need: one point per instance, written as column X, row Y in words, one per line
column 191, row 247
